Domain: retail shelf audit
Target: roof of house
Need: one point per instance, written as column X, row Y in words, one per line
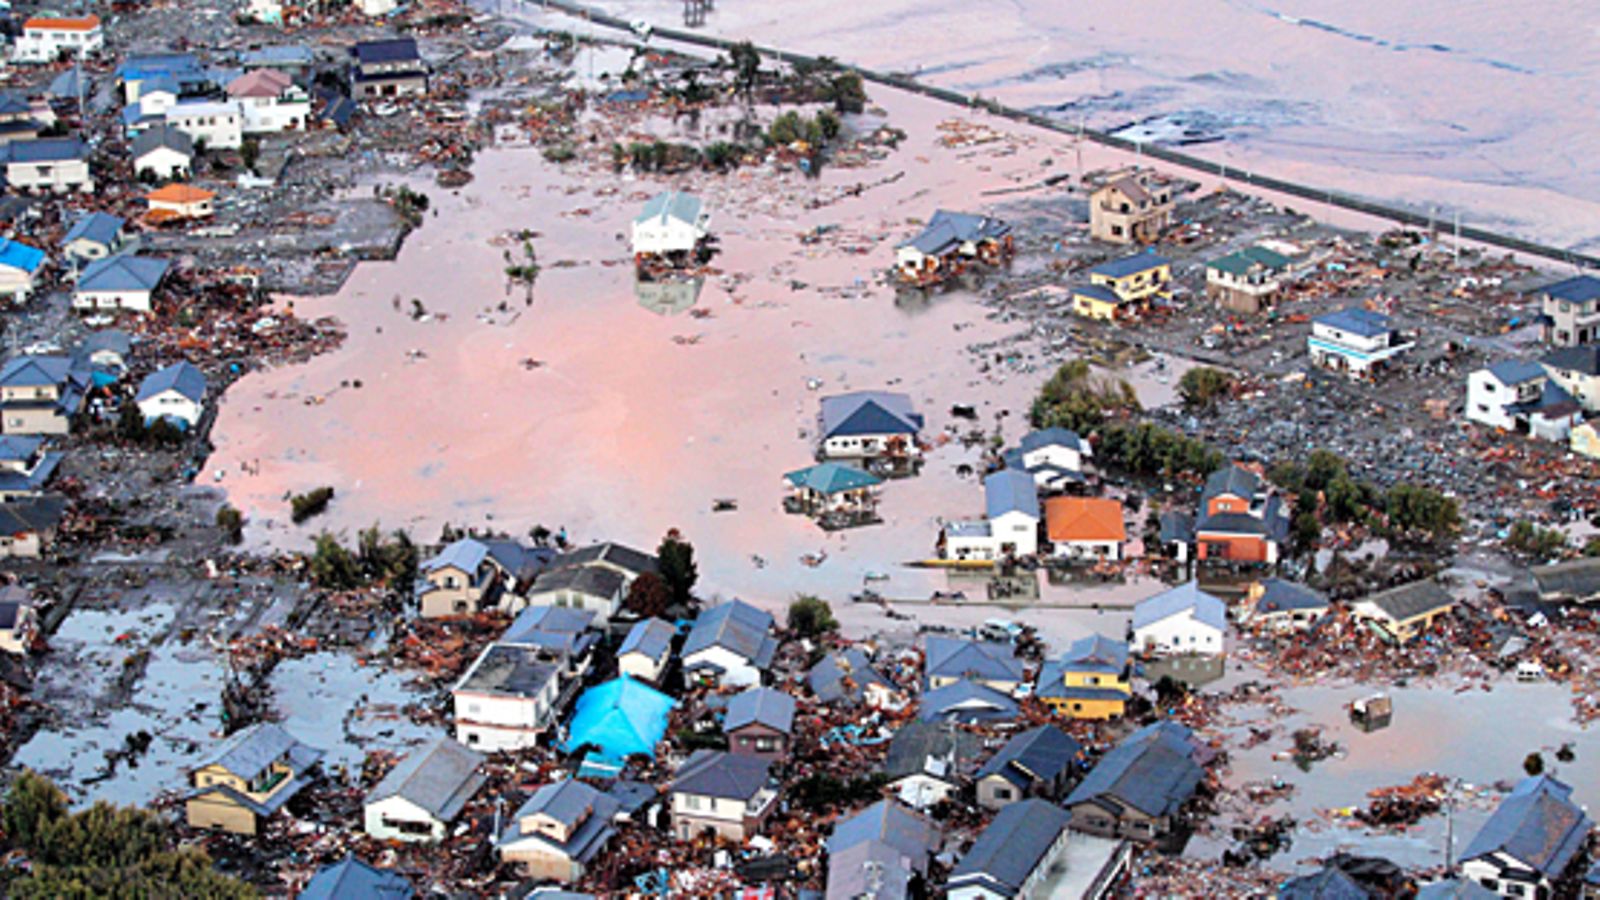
column 1516, row 371
column 953, row 657
column 585, row 811
column 439, row 778
column 1410, row 600
column 1084, row 519
column 1010, row 490
column 1147, row 772
column 736, row 626
column 1176, row 526
column 886, row 822
column 967, row 701
column 19, row 447
column 946, row 229
column 465, row 554
column 832, row 478
column 17, row 255
column 30, row 515
column 1097, row 292
column 717, row 773
column 1578, row 288
column 1096, row 653
column 1584, row 359
column 760, row 706
column 1278, row 595
column 248, row 753
column 1181, row 599
column 98, row 227
column 620, row 555
column 1576, row 578
column 1233, row 481
column 71, row 83
column 278, row 55
column 564, row 628
column 1131, row 186
column 620, row 718
column 1242, row 261
column 916, row 743
column 1355, row 320
column 592, row 581
column 651, row 637
column 180, row 193
column 62, row 23
column 828, row 678
column 1537, row 824
column 1130, row 265
column 509, row 669
column 259, row 83
column 352, row 879
column 1052, row 437
column 162, row 136
column 126, row 273
column 180, row 376
column 1328, row 883
column 384, row 51
column 869, row 412
column 669, row 205
column 1455, row 890
column 1015, row 843
column 11, row 612
column 35, row 370
column 1041, row 754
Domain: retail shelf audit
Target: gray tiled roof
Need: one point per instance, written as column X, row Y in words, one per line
column 967, row 701
column 760, row 706
column 1043, row 753
column 1188, row 596
column 440, row 778
column 735, row 626
column 592, row 581
column 352, row 879
column 827, row 677
column 1578, row 579
column 651, row 637
column 1013, row 845
column 248, row 753
column 1537, row 824
column 717, row 773
column 887, row 822
column 961, row 658
column 914, row 743
column 180, row 376
column 572, row 803
column 1150, row 775
column 1408, row 600
column 620, row 555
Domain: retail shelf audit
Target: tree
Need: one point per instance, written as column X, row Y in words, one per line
column 130, row 423
column 675, row 558
column 1414, row 509
column 811, row 617
column 1531, row 540
column 648, row 596
column 1533, row 764
column 1077, row 399
column 332, row 566
column 250, row 152
column 847, row 92
column 311, row 503
column 1202, row 386
column 231, row 521
column 746, row 64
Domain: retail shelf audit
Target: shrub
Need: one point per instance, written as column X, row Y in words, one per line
column 311, row 503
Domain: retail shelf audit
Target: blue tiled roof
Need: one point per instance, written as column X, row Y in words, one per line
column 868, row 412
column 1538, row 825
column 1355, row 320
column 124, row 273
column 1516, row 371
column 465, row 554
column 950, row 657
column 734, row 625
column 1010, row 490
column 1207, row 609
column 1097, row 292
column 652, row 637
column 20, row 256
column 101, row 228
column 1011, row 848
column 180, row 376
column 760, row 706
column 1130, row 265
column 967, row 702
column 1096, row 653
column 353, row 879
column 1286, row 596
column 832, row 478
column 1577, row 289
column 1152, row 776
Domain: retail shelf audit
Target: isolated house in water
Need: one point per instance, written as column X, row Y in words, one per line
column 387, row 69
column 949, row 244
column 871, row 425
column 671, row 228
column 1246, row 281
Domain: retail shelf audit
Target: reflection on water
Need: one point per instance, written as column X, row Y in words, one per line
column 668, row 298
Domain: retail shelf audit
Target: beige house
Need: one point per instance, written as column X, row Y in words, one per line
column 1246, row 281
column 722, row 793
column 19, row 621
column 646, row 650
column 459, row 581
column 559, row 831
column 1572, row 311
column 40, row 394
column 249, row 779
column 1130, row 209
column 1577, row 371
column 28, row 526
column 1402, row 613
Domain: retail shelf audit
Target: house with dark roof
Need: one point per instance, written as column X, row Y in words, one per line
column 518, row 686
column 611, row 556
column 1092, row 680
column 25, row 466
column 119, row 282
column 1535, row 837
column 1521, row 396
column 93, row 236
column 163, row 151
column 420, row 798
column 387, row 69
column 55, row 164
column 1454, row 889
column 1014, row 855
column 848, row 676
column 730, row 645
column 1355, row 340
column 1402, row 613
column 949, row 244
column 592, row 588
column 880, row 851
column 646, row 650
column 759, row 723
column 1121, row 287
column 1571, row 311
column 1182, row 621
column 1279, row 606
column 1246, row 281
column 458, row 580
column 1040, row 762
column 672, row 226
column 868, row 426
column 1057, row 458
column 968, row 703
column 724, row 793
column 41, row 394
column 1130, row 208
column 929, row 761
column 248, row 778
column 1327, row 883
column 352, row 879
column 1139, row 789
column 1573, row 581
column 559, row 831
column 1240, row 520
column 19, row 620
column 28, row 526
column 1576, row 370
column 174, row 393
column 947, row 660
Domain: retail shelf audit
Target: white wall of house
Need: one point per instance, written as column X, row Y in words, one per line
column 59, row 175
column 921, row 791
column 1584, row 388
column 387, row 819
column 736, row 670
column 27, row 544
column 1486, row 872
column 605, row 606
column 970, row 544
column 1016, row 528
column 1054, row 455
column 641, row 666
column 491, row 722
column 1179, row 633
column 269, row 115
column 171, row 404
column 164, row 162
column 15, row 284
column 45, row 45
column 377, row 8
column 219, row 124
column 671, row 236
column 1110, row 550
column 864, row 446
column 138, row 301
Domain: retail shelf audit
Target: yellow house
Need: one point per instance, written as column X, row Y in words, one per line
column 249, row 778
column 1119, row 287
column 1090, row 681
column 1403, row 613
column 1586, row 439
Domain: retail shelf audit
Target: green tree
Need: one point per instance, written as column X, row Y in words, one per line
column 1075, row 398
column 746, row 64
column 250, row 152
column 1533, row 764
column 1202, row 386
column 811, row 617
column 847, row 92
column 648, row 596
column 130, row 423
column 311, row 503
column 334, row 567
column 1414, row 509
column 675, row 558
column 1323, row 467
column 231, row 521
column 1540, row 543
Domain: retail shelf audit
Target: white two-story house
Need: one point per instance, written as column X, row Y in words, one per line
column 1355, row 340
column 728, row 794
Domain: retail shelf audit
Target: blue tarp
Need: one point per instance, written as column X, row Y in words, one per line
column 621, row 718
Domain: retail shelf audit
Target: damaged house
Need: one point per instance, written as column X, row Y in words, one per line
column 950, row 244
column 1240, row 519
column 1355, row 341
column 1520, row 396
column 248, row 779
column 559, row 831
column 1130, row 209
column 1534, row 838
column 422, row 796
column 730, row 645
column 671, row 229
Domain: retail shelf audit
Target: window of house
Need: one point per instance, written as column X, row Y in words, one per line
column 1003, row 793
column 690, row 801
column 472, row 738
column 768, row 744
column 405, row 826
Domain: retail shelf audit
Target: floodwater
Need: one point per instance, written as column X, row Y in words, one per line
column 1480, row 737
column 1478, row 107
column 588, row 409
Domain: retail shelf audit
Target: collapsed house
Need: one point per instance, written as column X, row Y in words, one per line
column 950, row 244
